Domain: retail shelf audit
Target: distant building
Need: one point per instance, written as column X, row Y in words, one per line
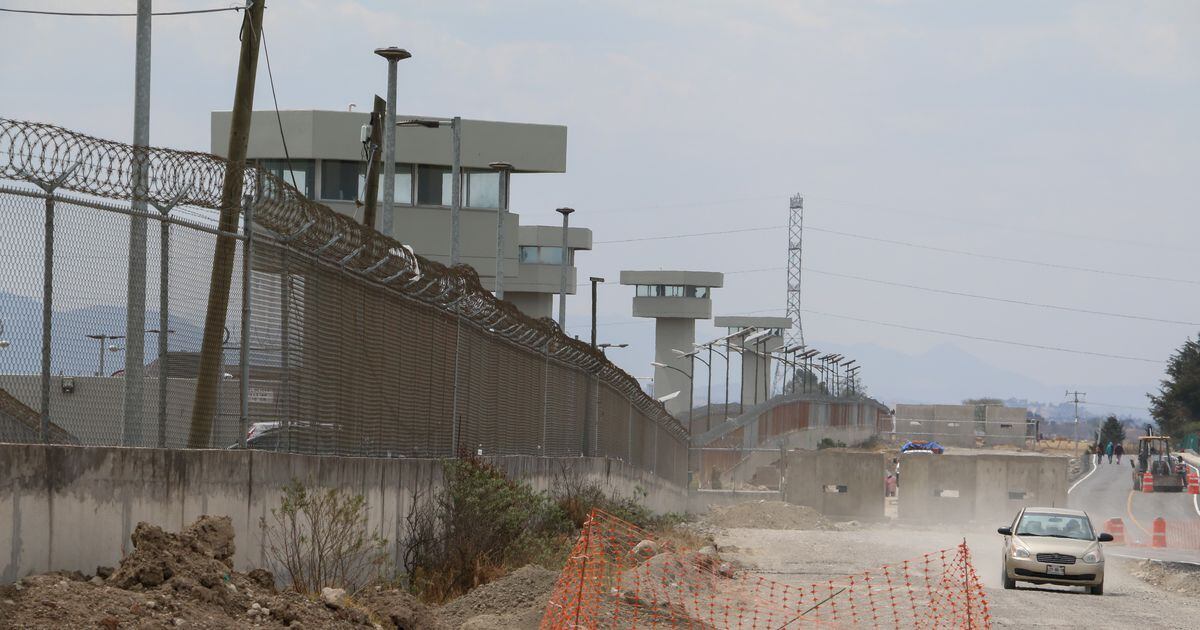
column 326, row 162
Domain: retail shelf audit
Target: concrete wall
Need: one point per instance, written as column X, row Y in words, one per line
column 334, row 135
column 979, row 486
column 950, row 425
column 1004, row 426
column 73, row 508
column 836, row 482
column 94, row 410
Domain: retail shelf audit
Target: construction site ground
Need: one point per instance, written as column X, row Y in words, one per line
column 183, row 581
column 800, row 557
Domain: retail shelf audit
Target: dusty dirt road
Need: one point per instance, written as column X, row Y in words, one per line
column 798, row 557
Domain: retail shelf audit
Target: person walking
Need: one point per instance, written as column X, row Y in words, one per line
column 1108, row 450
column 1099, row 450
column 1119, row 450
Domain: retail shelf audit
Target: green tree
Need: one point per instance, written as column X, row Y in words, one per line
column 983, row 401
column 1112, row 431
column 1176, row 406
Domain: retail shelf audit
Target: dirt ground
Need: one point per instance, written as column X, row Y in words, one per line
column 184, row 580
column 767, row 515
column 803, row 557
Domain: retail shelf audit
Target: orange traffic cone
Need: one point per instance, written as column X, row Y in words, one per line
column 1147, row 482
column 1116, row 527
column 1160, row 533
column 1193, row 480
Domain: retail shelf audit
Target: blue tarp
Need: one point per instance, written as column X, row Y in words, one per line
column 922, row 445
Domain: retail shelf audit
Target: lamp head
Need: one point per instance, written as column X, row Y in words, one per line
column 393, row 53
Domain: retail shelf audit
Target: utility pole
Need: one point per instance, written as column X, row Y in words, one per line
column 1075, row 434
column 594, row 280
column 371, row 190
column 135, row 287
column 209, row 378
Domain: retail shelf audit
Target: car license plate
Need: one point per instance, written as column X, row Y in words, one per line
column 1056, row 569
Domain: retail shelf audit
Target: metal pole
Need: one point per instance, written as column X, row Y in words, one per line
column 244, row 351
column 708, row 369
column 135, row 310
column 393, row 56
column 728, row 354
column 456, row 182
column 594, row 280
column 503, row 168
column 562, row 273
column 164, row 317
column 47, row 312
column 100, row 371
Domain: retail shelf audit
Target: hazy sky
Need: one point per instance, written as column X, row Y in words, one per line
column 1060, row 132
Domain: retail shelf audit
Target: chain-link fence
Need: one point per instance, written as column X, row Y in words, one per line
column 344, row 341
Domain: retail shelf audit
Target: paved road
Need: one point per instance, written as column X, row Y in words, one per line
column 1108, row 493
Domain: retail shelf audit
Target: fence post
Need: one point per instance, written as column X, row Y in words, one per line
column 244, row 351
column 47, row 312
column 285, row 298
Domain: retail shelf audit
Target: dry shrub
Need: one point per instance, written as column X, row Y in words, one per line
column 321, row 538
column 477, row 527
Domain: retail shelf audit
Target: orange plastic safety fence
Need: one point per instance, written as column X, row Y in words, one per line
column 617, row 576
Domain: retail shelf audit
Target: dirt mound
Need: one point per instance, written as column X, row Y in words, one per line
column 399, row 608
column 767, row 515
column 201, row 553
column 1169, row 576
column 169, row 580
column 515, row 601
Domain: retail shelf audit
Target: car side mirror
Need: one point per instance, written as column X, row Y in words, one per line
column 1007, row 531
column 1105, row 537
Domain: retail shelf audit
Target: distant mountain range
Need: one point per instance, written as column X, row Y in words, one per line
column 948, row 374
column 72, row 352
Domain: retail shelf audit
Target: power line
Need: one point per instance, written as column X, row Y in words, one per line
column 676, row 236
column 978, row 296
column 278, row 118
column 83, row 14
column 1024, row 261
column 944, row 250
column 988, row 339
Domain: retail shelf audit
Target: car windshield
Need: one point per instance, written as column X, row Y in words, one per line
column 1055, row 526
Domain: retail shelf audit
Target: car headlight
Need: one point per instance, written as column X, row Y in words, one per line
column 1020, row 552
column 1093, row 557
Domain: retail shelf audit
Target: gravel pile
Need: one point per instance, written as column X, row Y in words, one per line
column 767, row 515
column 515, row 601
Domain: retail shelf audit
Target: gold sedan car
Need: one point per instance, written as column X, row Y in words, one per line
column 1054, row 546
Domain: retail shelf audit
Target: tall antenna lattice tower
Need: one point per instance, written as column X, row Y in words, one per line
column 795, row 335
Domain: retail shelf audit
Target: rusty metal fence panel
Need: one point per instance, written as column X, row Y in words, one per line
column 356, row 346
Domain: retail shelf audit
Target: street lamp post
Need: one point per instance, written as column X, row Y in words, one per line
column 594, row 280
column 3, row 341
column 393, row 55
column 694, row 356
column 562, row 273
column 104, row 339
column 455, row 175
column 504, row 168
column 691, row 386
column 605, row 346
